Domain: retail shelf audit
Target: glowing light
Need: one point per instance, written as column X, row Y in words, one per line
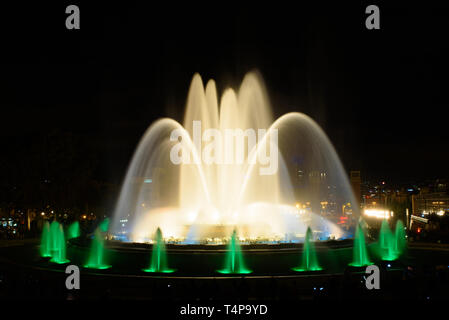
column 380, row 214
column 191, row 216
column 207, row 199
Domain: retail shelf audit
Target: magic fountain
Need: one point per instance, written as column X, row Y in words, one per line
column 202, row 202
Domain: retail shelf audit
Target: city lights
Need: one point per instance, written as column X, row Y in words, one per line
column 380, row 214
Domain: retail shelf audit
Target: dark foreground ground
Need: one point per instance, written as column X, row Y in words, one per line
column 422, row 273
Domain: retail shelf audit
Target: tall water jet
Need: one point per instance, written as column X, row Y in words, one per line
column 309, row 261
column 400, row 240
column 96, row 255
column 45, row 241
column 234, row 263
column 158, row 261
column 59, row 255
column 360, row 253
column 240, row 177
column 73, row 231
column 384, row 234
column 104, row 225
column 387, row 242
column 54, row 234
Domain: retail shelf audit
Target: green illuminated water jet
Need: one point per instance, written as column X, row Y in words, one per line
column 59, row 254
column 96, row 255
column 360, row 253
column 391, row 245
column 385, row 235
column 104, row 225
column 54, row 231
column 74, row 230
column 158, row 261
column 309, row 260
column 387, row 242
column 45, row 241
column 234, row 259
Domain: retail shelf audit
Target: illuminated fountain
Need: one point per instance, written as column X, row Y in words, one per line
column 59, row 250
column 391, row 245
column 73, row 231
column 45, row 241
column 53, row 243
column 104, row 225
column 385, row 235
column 193, row 182
column 158, row 261
column 387, row 242
column 234, row 263
column 309, row 260
column 96, row 254
column 54, row 232
column 360, row 253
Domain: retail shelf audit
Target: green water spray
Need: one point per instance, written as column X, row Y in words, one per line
column 385, row 235
column 234, row 263
column 104, row 225
column 73, row 230
column 96, row 255
column 391, row 246
column 59, row 255
column 158, row 261
column 360, row 253
column 309, row 261
column 45, row 241
column 54, row 234
column 387, row 242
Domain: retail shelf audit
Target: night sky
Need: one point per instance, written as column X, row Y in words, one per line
column 380, row 95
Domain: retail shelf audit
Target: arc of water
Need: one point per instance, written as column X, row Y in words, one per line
column 255, row 151
column 197, row 159
column 301, row 116
column 140, row 150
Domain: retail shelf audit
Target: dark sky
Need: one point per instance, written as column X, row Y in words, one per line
column 380, row 95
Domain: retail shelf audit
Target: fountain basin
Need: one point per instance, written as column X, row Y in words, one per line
column 204, row 260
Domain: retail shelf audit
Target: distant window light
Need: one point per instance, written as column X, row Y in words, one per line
column 148, row 180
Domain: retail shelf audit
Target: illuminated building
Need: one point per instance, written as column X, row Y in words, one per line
column 428, row 203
